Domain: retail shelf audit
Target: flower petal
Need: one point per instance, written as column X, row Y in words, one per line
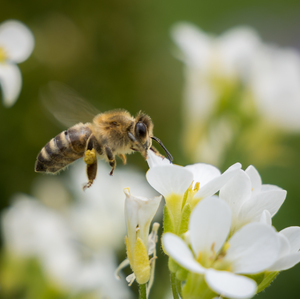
column 203, row 173
column 17, row 40
column 230, row 285
column 209, row 225
column 139, row 213
column 266, row 218
column 169, row 179
column 10, row 83
column 285, row 246
column 179, row 251
column 268, row 187
column 254, row 177
column 236, row 191
column 252, row 209
column 155, row 160
column 253, row 248
column 285, row 262
column 211, row 187
column 292, row 233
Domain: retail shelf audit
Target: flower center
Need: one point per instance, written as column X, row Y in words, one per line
column 3, row 55
column 211, row 259
column 220, row 262
column 206, row 259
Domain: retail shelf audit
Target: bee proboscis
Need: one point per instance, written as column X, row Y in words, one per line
column 110, row 134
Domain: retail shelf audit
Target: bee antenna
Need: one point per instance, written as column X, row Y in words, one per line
column 165, row 149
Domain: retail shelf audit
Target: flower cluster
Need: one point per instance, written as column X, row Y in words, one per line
column 222, row 245
column 236, row 87
column 74, row 239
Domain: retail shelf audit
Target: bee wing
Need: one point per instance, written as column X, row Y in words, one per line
column 66, row 105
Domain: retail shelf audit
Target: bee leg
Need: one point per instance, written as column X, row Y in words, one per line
column 91, row 171
column 90, row 159
column 123, row 157
column 156, row 152
column 111, row 159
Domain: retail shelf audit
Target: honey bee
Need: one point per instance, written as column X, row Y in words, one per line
column 110, row 134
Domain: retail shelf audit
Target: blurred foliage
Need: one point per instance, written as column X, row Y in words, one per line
column 118, row 54
column 25, row 278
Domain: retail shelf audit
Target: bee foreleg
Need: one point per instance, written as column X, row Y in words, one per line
column 111, row 159
column 123, row 157
column 156, row 152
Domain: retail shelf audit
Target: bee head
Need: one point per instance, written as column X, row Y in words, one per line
column 143, row 135
column 143, row 130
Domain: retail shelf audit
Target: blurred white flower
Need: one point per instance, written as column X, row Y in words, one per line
column 206, row 57
column 16, row 45
column 251, row 250
column 31, row 229
column 234, row 82
column 75, row 240
column 229, row 55
column 248, row 197
column 275, row 82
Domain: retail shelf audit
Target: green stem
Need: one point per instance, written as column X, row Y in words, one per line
column 173, row 286
column 178, row 286
column 143, row 291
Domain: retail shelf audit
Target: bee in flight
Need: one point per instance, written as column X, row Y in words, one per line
column 110, row 134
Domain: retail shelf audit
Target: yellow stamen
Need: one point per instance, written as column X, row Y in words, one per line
column 3, row 55
column 190, row 192
column 197, row 187
column 226, row 246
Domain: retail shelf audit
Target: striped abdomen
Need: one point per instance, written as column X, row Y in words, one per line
column 63, row 149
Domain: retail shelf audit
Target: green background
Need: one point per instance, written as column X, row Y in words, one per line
column 118, row 54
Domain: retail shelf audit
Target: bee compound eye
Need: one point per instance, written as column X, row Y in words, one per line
column 141, row 129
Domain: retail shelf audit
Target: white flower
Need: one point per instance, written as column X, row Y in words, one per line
column 250, row 250
column 139, row 212
column 184, row 187
column 289, row 245
column 248, row 197
column 170, row 179
column 16, row 45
